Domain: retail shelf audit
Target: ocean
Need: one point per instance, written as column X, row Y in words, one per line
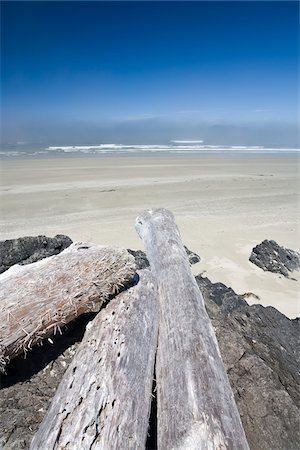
column 175, row 148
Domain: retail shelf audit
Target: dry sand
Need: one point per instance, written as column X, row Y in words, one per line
column 223, row 204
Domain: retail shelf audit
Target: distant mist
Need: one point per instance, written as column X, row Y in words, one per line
column 146, row 131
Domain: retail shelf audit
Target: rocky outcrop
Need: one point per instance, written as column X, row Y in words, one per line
column 30, row 249
column 260, row 349
column 271, row 257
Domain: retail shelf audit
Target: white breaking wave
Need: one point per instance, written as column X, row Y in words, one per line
column 176, row 147
column 187, row 142
column 108, row 147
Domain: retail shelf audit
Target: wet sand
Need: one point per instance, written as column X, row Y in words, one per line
column 223, row 204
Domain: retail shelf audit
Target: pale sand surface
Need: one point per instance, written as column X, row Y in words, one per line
column 223, row 204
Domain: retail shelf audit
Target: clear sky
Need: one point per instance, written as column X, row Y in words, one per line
column 92, row 72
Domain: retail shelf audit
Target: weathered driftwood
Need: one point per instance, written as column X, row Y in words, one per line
column 37, row 300
column 196, row 407
column 103, row 401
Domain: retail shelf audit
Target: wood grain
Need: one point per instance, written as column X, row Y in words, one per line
column 37, row 300
column 103, row 400
column 196, row 407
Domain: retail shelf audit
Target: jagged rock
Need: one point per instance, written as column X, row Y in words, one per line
column 271, row 257
column 260, row 349
column 29, row 249
column 142, row 262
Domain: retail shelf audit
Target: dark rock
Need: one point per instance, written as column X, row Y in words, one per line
column 193, row 257
column 142, row 261
column 219, row 294
column 27, row 389
column 260, row 350
column 271, row 257
column 30, row 249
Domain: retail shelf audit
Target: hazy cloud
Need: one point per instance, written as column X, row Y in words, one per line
column 149, row 130
column 136, row 117
column 261, row 110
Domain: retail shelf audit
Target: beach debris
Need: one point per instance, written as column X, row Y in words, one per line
column 39, row 299
column 104, row 398
column 29, row 249
column 195, row 403
column 272, row 257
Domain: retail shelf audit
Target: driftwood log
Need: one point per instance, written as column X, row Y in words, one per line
column 37, row 300
column 103, row 401
column 195, row 404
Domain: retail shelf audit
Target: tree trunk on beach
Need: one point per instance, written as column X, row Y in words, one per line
column 39, row 299
column 195, row 404
column 103, row 401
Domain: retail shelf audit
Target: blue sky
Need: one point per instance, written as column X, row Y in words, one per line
column 135, row 72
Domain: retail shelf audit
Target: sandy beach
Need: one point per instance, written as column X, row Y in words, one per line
column 223, row 204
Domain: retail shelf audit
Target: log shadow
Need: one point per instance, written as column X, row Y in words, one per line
column 23, row 368
column 151, row 443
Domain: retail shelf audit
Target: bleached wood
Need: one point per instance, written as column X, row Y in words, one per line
column 196, row 407
column 38, row 299
column 103, row 400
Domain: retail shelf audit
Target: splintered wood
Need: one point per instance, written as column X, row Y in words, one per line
column 39, row 299
column 103, row 401
column 195, row 404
